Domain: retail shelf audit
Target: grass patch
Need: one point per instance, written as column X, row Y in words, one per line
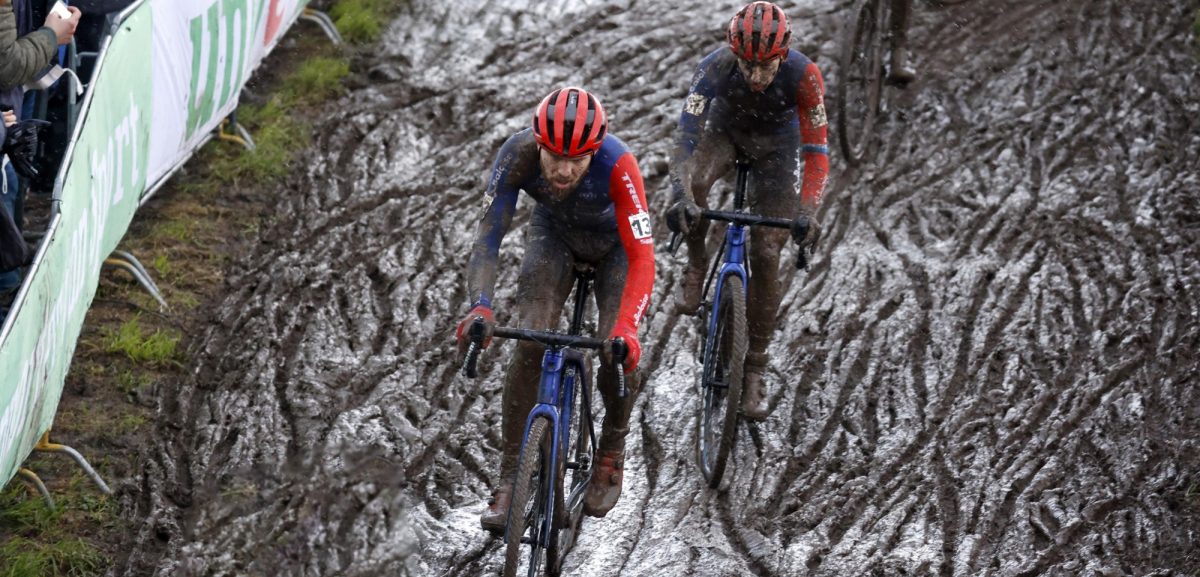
column 71, row 557
column 130, row 382
column 162, row 265
column 361, row 21
column 277, row 136
column 51, row 551
column 130, row 340
column 180, row 230
column 318, row 79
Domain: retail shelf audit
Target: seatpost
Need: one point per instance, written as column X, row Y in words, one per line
column 739, row 190
column 583, row 278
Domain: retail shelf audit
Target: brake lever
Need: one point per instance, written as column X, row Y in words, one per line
column 476, row 331
column 619, row 351
column 800, row 231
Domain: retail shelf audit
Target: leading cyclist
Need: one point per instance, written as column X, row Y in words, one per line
column 590, row 208
column 758, row 99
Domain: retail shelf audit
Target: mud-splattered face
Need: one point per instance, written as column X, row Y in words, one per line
column 759, row 74
column 563, row 172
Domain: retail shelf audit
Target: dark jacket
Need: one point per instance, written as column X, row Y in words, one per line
column 22, row 59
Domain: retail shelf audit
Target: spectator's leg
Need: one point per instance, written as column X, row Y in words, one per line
column 9, row 281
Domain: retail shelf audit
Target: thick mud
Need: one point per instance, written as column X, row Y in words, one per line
column 990, row 369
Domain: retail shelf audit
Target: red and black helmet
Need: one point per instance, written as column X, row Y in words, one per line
column 570, row 122
column 759, row 32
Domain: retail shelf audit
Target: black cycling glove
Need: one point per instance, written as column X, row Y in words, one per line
column 21, row 145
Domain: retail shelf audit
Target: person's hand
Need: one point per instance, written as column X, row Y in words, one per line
column 632, row 346
column 806, row 230
column 20, row 144
column 64, row 28
column 463, row 332
column 682, row 216
column 10, row 118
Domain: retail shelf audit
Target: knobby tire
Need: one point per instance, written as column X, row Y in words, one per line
column 528, row 507
column 860, row 80
column 723, row 365
column 579, row 449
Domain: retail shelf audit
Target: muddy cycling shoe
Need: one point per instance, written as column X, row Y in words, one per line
column 605, row 487
column 687, row 294
column 496, row 514
column 754, row 393
column 900, row 73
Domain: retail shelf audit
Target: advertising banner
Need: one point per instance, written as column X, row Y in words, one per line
column 169, row 75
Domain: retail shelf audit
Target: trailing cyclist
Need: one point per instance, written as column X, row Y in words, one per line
column 763, row 101
column 590, row 208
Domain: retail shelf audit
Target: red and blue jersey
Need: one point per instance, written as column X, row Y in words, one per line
column 721, row 98
column 609, row 200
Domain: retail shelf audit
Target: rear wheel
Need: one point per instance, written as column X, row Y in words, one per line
column 721, row 385
column 860, row 82
column 573, row 478
column 528, row 514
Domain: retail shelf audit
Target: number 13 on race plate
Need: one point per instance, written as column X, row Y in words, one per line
column 640, row 223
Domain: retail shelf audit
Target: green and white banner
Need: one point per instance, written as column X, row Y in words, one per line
column 168, row 76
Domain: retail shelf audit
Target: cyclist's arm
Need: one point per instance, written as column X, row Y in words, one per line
column 500, row 202
column 810, row 98
column 633, row 226
column 691, row 122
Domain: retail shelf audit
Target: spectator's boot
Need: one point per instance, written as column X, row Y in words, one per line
column 754, row 392
column 605, row 487
column 495, row 517
column 687, row 294
column 900, row 73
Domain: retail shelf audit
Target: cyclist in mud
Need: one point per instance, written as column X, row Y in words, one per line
column 590, row 208
column 762, row 100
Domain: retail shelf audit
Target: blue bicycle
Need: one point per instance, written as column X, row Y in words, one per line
column 723, row 350
column 560, row 436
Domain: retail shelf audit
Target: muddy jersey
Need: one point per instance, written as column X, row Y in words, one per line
column 720, row 99
column 609, row 200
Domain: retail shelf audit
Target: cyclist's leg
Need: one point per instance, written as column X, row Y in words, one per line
column 774, row 193
column 607, row 476
column 713, row 159
column 900, row 72
column 543, row 286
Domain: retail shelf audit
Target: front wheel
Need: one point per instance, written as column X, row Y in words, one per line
column 860, row 80
column 572, row 483
column 529, row 513
column 721, row 382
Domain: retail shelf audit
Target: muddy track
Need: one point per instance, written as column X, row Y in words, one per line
column 989, row 369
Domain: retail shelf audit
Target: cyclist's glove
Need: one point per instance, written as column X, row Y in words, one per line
column 463, row 332
column 20, row 144
column 682, row 216
column 634, row 348
column 806, row 230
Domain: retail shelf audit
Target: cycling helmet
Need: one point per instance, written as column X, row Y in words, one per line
column 570, row 122
column 759, row 32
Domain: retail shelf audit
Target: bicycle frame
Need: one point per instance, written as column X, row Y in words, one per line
column 562, row 368
column 734, row 261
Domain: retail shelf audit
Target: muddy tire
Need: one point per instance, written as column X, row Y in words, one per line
column 572, row 482
column 721, row 385
column 860, row 80
column 528, row 511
